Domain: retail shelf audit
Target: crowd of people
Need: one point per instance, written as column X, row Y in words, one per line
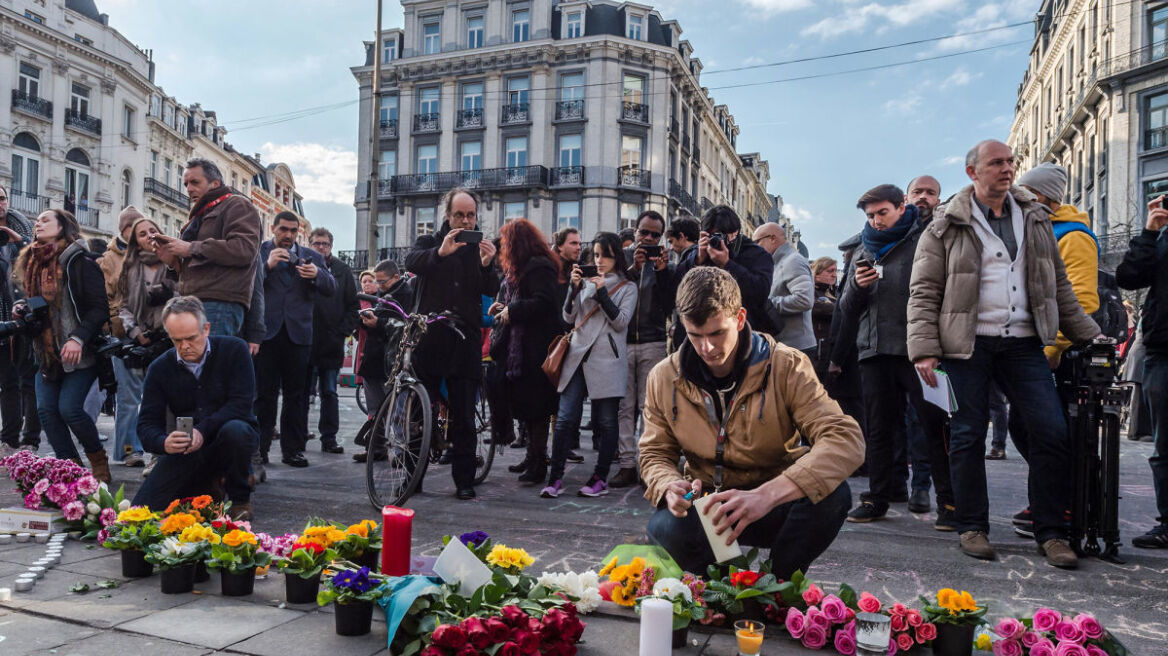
column 717, row 363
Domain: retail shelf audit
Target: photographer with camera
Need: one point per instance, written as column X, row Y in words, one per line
column 17, row 368
column 57, row 271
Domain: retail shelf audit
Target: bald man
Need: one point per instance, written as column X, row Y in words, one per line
column 792, row 291
column 925, row 192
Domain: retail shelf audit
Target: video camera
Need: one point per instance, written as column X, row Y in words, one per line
column 1095, row 364
column 132, row 353
column 28, row 318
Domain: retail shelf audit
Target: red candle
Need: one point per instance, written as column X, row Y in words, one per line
column 396, row 528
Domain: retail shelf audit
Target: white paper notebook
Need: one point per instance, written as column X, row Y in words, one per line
column 722, row 551
column 942, row 395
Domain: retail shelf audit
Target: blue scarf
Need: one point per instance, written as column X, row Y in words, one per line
column 879, row 242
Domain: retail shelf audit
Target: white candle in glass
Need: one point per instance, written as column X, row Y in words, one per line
column 873, row 632
column 656, row 627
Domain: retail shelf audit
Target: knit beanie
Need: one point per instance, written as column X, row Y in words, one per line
column 1048, row 179
column 127, row 218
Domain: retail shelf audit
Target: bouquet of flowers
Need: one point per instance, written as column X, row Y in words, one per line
column 909, row 627
column 514, row 631
column 188, row 547
column 350, row 585
column 1050, row 633
column 686, row 607
column 358, row 538
column 134, row 528
column 624, row 581
column 237, row 552
column 583, row 587
column 730, row 593
column 101, row 511
column 827, row 620
column 52, row 483
column 203, row 508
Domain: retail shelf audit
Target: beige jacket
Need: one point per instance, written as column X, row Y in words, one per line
column 943, row 294
column 111, row 262
column 778, row 397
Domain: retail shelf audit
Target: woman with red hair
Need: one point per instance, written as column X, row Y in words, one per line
column 527, row 319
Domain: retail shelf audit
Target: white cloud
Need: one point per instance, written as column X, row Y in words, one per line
column 878, row 16
column 753, row 61
column 777, row 6
column 904, row 105
column 798, row 215
column 952, row 160
column 989, row 15
column 323, row 174
column 959, row 78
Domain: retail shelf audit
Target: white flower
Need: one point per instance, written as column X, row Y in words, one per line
column 171, row 546
column 124, row 505
column 589, row 600
column 590, row 579
column 92, row 508
column 549, row 580
column 669, row 588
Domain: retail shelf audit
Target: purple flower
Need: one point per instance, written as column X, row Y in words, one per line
column 108, row 516
column 474, row 538
column 355, row 580
column 74, row 511
column 102, row 535
column 57, row 493
column 32, row 501
column 41, row 486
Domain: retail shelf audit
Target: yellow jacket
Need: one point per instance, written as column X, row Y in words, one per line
column 1081, row 258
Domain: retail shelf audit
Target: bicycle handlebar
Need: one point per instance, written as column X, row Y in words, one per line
column 429, row 319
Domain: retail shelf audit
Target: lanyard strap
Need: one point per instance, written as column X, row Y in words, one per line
column 720, row 444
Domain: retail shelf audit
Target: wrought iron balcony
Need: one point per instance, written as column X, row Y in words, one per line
column 87, row 217
column 166, row 193
column 518, row 177
column 427, row 123
column 683, row 197
column 567, row 175
column 388, row 128
column 83, row 122
column 385, row 188
column 706, row 204
column 32, row 104
column 515, row 113
column 469, row 118
column 570, row 110
column 631, row 111
column 631, row 176
column 26, row 203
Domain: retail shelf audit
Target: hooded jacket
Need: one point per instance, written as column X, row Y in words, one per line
column 1081, row 258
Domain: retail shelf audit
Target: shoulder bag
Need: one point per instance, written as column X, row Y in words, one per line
column 553, row 364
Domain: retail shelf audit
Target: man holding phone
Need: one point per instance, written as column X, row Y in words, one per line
column 206, row 382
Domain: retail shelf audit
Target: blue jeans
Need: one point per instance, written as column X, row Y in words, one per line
column 129, row 397
column 1156, row 403
column 227, row 453
column 61, row 406
column 604, row 425
column 1021, row 371
column 330, row 413
column 225, row 318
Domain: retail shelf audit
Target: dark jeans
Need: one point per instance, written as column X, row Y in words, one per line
column 461, row 436
column 918, row 450
column 1156, row 402
column 1000, row 416
column 226, row 318
column 604, row 425
column 330, row 412
column 890, row 381
column 227, row 453
column 374, row 393
column 1021, row 371
column 18, row 393
column 796, row 533
column 280, row 366
column 61, row 406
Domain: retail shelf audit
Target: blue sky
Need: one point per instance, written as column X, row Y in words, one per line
column 827, row 139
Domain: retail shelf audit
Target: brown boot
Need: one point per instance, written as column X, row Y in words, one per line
column 1059, row 553
column 240, row 512
column 99, row 463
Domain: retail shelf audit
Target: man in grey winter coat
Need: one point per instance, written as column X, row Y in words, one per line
column 792, row 292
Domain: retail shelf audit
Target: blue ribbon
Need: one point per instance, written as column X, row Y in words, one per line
column 399, row 593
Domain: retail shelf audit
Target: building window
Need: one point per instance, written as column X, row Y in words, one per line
column 568, row 214
column 388, row 50
column 634, row 88
column 30, row 81
column 77, row 180
column 474, row 31
column 431, row 37
column 518, row 91
column 521, row 26
column 1159, row 29
column 570, row 146
column 427, row 160
column 1156, row 121
column 574, row 24
column 424, row 221
column 128, row 123
column 636, row 23
column 166, row 172
column 472, row 96
column 1154, row 189
column 26, row 166
column 82, row 40
column 155, row 106
column 512, row 211
column 516, row 152
column 126, row 189
column 572, row 86
column 79, row 100
column 168, row 115
column 471, row 156
column 385, row 229
column 154, row 164
column 428, row 100
column 36, row 18
column 388, row 111
column 628, row 215
column 387, row 167
column 631, row 151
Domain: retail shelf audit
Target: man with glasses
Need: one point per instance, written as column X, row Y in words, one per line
column 334, row 318
column 17, row 369
column 792, row 291
column 646, row 336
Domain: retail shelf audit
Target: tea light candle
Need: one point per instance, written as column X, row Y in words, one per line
column 873, row 632
column 5, row 538
column 44, row 562
column 42, row 538
column 23, row 537
column 5, row 594
column 749, row 636
column 24, row 584
column 37, row 570
column 656, row 627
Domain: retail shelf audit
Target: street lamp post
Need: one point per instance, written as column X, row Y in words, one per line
column 374, row 146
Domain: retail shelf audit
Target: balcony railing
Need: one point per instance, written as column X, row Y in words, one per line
column 515, row 113
column 683, row 197
column 518, row 177
column 384, row 188
column 388, row 128
column 359, row 260
column 28, row 204
column 32, row 104
column 83, row 122
column 570, row 110
column 567, row 175
column 631, row 111
column 631, row 176
column 706, row 204
column 87, row 217
column 166, row 193
column 1135, row 59
column 427, row 123
column 467, row 118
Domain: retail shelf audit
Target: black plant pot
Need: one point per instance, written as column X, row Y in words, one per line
column 238, row 585
column 953, row 640
column 300, row 590
column 679, row 637
column 371, row 558
column 201, row 573
column 178, row 580
column 134, row 565
column 354, row 619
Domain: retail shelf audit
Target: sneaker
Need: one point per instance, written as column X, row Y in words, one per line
column 626, row 477
column 866, row 512
column 1024, row 524
column 946, row 519
column 134, row 460
column 977, row 544
column 1059, row 554
column 149, row 466
column 996, row 454
column 596, row 487
column 1157, row 538
column 552, row 491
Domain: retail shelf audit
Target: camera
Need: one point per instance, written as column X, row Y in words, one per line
column 27, row 321
column 1094, row 364
column 132, row 353
column 718, row 241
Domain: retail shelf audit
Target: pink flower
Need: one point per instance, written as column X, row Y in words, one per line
column 108, row 516
column 892, row 648
column 817, row 618
column 815, row 637
column 56, row 493
column 812, row 595
column 1068, row 648
column 1067, row 632
column 87, row 484
column 926, row 632
column 1089, row 625
column 1009, row 628
column 41, row 486
column 1030, row 638
column 834, row 609
column 1093, row 650
column 869, row 603
column 914, row 617
column 899, row 609
column 1045, row 619
column 74, row 511
column 796, row 623
column 32, row 501
column 1007, row 648
column 845, row 642
column 102, row 535
column 1042, row 649
column 899, row 623
column 904, row 641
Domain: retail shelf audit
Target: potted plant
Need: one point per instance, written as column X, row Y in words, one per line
column 237, row 556
column 686, row 607
column 956, row 615
column 176, row 556
column 353, row 591
column 361, row 544
column 302, row 568
column 132, row 533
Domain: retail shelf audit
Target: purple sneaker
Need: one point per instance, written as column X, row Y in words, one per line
column 596, row 487
column 552, row 491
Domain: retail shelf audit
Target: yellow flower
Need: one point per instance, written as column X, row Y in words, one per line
column 199, row 534
column 370, row 525
column 945, row 597
column 611, row 565
column 621, row 598
column 358, row 529
column 176, row 523
column 506, row 557
column 237, row 537
column 984, row 643
column 967, row 602
column 335, row 535
column 136, row 514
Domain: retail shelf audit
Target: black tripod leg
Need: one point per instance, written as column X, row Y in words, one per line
column 1113, row 402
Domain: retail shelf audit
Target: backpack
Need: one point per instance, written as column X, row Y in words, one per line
column 1111, row 315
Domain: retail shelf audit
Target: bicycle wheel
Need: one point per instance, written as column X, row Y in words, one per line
column 360, row 395
column 400, row 440
column 485, row 446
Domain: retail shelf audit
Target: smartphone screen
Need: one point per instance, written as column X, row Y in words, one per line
column 589, row 271
column 651, row 251
column 184, row 425
column 469, row 237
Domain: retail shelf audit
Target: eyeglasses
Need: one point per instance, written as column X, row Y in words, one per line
column 381, row 282
column 463, row 216
column 649, row 233
column 319, row 244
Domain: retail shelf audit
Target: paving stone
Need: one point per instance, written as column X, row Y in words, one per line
column 232, row 620
column 605, row 635
column 22, row 634
column 104, row 608
column 313, row 633
column 108, row 566
column 112, row 642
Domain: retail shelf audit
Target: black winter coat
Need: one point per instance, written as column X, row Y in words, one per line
column 534, row 313
column 1146, row 265
column 754, row 269
column 334, row 318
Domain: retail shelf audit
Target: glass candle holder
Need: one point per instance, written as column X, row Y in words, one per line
column 873, row 631
column 749, row 634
